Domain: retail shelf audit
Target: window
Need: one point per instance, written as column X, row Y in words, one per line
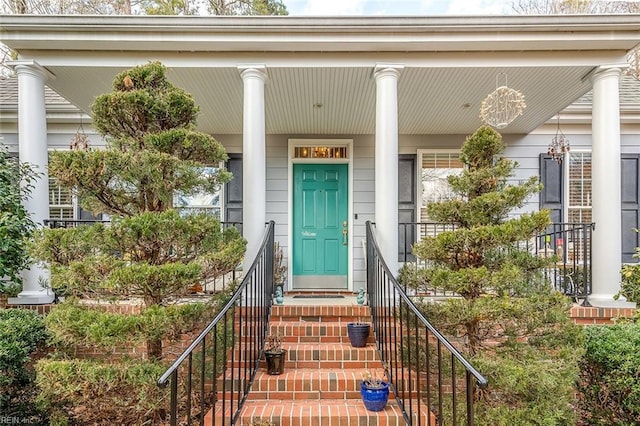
column 202, row 202
column 436, row 166
column 579, row 187
column 61, row 201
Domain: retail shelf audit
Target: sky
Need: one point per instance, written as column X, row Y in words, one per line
column 397, row 7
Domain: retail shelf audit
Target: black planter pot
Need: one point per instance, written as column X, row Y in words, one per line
column 275, row 362
column 358, row 333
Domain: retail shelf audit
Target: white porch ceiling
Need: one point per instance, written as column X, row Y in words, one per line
column 450, row 64
column 430, row 100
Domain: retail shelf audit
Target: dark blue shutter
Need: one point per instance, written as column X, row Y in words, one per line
column 406, row 205
column 552, row 194
column 233, row 191
column 630, row 184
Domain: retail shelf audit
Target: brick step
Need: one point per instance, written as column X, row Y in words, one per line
column 345, row 313
column 316, row 332
column 309, row 380
column 316, row 355
column 325, row 412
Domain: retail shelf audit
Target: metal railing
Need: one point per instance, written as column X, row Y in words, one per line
column 214, row 374
column 570, row 243
column 433, row 383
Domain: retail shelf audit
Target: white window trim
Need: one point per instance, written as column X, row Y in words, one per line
column 565, row 181
column 420, row 154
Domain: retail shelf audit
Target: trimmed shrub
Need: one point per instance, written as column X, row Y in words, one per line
column 91, row 392
column 610, row 376
column 22, row 334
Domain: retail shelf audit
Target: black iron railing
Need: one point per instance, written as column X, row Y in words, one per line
column 433, row 383
column 70, row 223
column 569, row 243
column 214, row 374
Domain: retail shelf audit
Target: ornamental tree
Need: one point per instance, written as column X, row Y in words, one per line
column 507, row 318
column 149, row 250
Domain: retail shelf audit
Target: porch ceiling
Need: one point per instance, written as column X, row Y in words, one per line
column 341, row 101
column 320, row 70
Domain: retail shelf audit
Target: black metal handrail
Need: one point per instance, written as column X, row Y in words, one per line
column 571, row 243
column 214, row 374
column 73, row 223
column 427, row 373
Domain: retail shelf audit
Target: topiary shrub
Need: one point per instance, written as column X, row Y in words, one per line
column 610, row 375
column 22, row 335
column 507, row 319
column 150, row 252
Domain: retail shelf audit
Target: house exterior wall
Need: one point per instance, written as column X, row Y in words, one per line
column 525, row 149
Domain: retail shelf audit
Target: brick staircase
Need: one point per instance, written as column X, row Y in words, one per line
column 321, row 382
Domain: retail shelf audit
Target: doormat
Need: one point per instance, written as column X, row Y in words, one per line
column 318, row 296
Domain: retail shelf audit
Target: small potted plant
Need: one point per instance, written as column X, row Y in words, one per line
column 279, row 272
column 274, row 354
column 358, row 333
column 374, row 391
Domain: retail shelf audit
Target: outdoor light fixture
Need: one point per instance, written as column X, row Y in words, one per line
column 559, row 144
column 79, row 141
column 502, row 106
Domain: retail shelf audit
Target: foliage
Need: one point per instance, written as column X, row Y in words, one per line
column 630, row 286
column 279, row 268
column 22, row 334
column 153, row 151
column 149, row 250
column 91, row 392
column 16, row 225
column 509, row 321
column 75, row 325
column 610, row 375
column 155, row 256
column 273, row 343
column 374, row 380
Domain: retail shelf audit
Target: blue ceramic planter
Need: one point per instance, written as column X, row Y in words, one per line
column 375, row 399
column 358, row 334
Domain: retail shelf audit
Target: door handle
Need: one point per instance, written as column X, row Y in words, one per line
column 345, row 232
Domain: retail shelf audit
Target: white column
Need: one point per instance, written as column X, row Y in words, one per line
column 253, row 159
column 386, row 162
column 606, row 187
column 32, row 139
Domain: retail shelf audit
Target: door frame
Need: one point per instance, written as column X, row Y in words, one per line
column 292, row 144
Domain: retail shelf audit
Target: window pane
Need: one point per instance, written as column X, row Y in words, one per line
column 579, row 185
column 436, row 167
column 200, row 202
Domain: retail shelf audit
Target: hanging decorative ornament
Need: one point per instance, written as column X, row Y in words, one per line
column 559, row 145
column 80, row 140
column 502, row 106
column 634, row 63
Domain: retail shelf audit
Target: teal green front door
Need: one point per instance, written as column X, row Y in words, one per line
column 320, row 239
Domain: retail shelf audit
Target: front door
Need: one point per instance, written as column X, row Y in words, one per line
column 320, row 239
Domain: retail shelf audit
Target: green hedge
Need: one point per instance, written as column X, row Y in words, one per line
column 22, row 333
column 92, row 392
column 610, row 378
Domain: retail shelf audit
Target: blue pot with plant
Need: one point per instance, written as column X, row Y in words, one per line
column 374, row 391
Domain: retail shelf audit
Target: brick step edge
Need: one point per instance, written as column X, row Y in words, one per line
column 333, row 412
